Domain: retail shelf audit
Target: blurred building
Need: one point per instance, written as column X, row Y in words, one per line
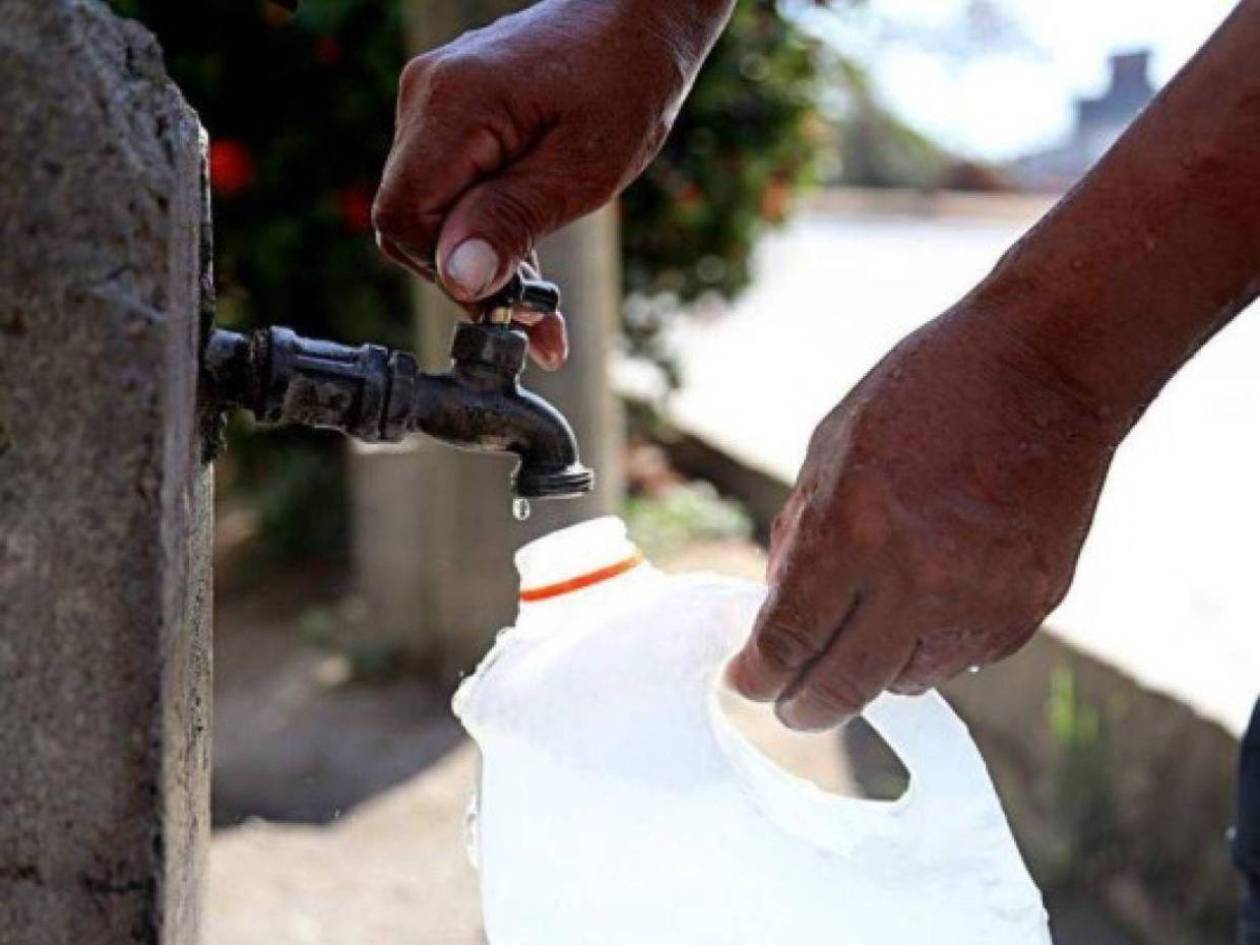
column 1099, row 122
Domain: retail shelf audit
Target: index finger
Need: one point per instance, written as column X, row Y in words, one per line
column 812, row 593
column 440, row 151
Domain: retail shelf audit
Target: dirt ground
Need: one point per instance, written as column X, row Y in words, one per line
column 340, row 805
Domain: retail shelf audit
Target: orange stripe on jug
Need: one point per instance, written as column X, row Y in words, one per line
column 535, row 594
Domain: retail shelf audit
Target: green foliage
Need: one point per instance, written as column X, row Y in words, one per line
column 300, row 110
column 664, row 524
column 879, row 150
column 747, row 139
column 1084, row 790
column 295, row 481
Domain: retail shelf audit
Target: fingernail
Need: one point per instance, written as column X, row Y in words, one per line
column 419, row 262
column 471, row 268
column 744, row 680
column 548, row 360
column 527, row 316
column 803, row 714
column 731, row 676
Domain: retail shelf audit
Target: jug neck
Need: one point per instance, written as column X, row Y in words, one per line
column 578, row 563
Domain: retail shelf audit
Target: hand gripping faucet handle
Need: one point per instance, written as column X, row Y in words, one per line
column 537, row 295
column 376, row 394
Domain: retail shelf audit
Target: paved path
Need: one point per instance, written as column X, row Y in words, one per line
column 1167, row 589
column 391, row 873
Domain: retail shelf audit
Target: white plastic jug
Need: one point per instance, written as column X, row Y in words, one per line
column 618, row 804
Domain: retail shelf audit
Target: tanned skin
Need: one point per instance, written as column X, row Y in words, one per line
column 512, row 131
column 942, row 505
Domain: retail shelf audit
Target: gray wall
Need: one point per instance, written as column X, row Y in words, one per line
column 104, row 502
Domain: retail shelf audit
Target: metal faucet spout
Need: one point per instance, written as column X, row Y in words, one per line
column 465, row 412
column 375, row 394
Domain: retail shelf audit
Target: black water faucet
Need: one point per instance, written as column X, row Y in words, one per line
column 375, row 394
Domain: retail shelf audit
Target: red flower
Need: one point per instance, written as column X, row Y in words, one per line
column 278, row 13
column 775, row 200
column 231, row 167
column 327, row 51
column 355, row 204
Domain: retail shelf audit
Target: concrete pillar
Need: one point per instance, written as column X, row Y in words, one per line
column 104, row 500
column 459, row 584
column 385, row 521
column 463, row 552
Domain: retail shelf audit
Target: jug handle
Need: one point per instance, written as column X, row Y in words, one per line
column 923, row 731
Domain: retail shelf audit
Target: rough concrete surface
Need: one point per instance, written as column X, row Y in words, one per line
column 104, row 660
column 1110, row 787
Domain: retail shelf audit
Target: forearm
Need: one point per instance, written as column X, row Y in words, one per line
column 694, row 24
column 686, row 28
column 1157, row 248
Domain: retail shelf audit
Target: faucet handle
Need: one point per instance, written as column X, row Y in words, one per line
column 537, row 295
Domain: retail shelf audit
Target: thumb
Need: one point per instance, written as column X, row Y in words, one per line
column 495, row 224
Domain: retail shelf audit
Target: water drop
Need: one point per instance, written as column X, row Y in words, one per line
column 471, row 844
column 520, row 509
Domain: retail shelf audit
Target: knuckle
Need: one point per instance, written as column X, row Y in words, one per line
column 932, row 577
column 390, row 217
column 787, row 521
column 938, row 655
column 444, row 75
column 516, row 218
column 782, row 521
column 442, row 78
column 785, row 645
column 908, row 686
column 657, row 132
column 837, row 693
column 1048, row 589
column 862, row 507
column 415, row 75
column 454, row 80
column 827, row 431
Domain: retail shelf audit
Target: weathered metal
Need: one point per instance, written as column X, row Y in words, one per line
column 375, row 394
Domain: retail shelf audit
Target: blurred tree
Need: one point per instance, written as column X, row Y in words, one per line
column 749, row 136
column 748, row 139
column 300, row 109
column 876, row 148
column 300, row 114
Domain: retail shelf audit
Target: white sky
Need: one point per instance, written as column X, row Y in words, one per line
column 1001, row 104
